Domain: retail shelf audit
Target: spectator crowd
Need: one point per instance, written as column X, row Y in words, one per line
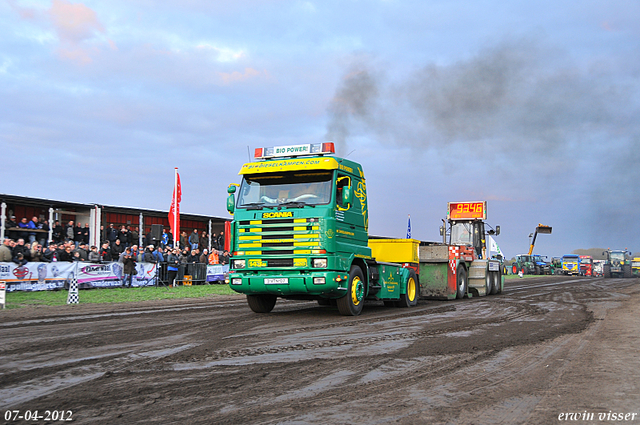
column 27, row 241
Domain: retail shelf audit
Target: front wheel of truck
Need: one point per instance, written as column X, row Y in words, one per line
column 351, row 303
column 410, row 297
column 261, row 303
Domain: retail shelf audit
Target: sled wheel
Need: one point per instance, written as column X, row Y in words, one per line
column 410, row 298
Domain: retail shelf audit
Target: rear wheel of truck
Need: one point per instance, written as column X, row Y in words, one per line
column 494, row 283
column 351, row 303
column 488, row 281
column 461, row 282
column 263, row 303
column 410, row 298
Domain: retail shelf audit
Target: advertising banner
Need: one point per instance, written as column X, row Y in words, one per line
column 216, row 273
column 57, row 275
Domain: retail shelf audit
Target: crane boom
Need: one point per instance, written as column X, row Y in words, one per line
column 542, row 229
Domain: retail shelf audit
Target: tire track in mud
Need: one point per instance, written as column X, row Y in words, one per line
column 23, row 387
column 444, row 368
column 520, row 311
column 564, row 348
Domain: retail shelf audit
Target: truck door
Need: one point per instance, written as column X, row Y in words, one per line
column 479, row 242
column 351, row 217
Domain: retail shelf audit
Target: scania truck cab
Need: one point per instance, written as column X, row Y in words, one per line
column 300, row 231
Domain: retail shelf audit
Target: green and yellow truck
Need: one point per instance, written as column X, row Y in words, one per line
column 301, row 231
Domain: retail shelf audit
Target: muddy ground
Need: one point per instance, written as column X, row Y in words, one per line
column 546, row 346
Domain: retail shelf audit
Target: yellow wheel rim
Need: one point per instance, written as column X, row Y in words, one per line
column 411, row 289
column 357, row 290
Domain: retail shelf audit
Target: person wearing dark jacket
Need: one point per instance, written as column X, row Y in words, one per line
column 194, row 239
column 135, row 236
column 224, row 258
column 173, row 262
column 58, row 232
column 194, row 257
column 21, row 248
column 112, row 234
column 66, row 254
column 105, row 253
column 116, row 249
column 124, row 236
column 50, row 254
column 20, row 260
column 148, row 255
column 86, row 234
column 129, row 267
column 221, row 241
column 78, row 234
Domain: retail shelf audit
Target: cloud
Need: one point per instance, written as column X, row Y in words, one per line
column 76, row 26
column 236, row 76
column 74, row 23
column 224, row 54
column 24, row 12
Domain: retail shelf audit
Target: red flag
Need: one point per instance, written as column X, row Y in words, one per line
column 174, row 211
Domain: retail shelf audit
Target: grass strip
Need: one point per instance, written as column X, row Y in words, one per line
column 114, row 295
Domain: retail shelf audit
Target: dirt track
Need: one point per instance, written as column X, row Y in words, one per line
column 546, row 346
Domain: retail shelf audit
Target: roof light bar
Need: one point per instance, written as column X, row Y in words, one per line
column 295, row 150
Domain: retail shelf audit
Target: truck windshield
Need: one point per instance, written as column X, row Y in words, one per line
column 299, row 188
column 617, row 256
column 461, row 234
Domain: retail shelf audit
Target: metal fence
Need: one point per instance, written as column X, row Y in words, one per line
column 195, row 273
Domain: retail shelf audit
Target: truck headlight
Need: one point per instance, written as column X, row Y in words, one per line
column 239, row 264
column 319, row 280
column 320, row 263
column 236, row 281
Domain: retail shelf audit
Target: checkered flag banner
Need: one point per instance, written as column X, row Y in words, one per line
column 73, row 298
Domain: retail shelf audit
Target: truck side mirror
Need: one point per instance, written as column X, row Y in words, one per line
column 441, row 230
column 231, row 203
column 497, row 230
column 231, row 199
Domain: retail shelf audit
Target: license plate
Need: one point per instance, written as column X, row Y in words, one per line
column 276, row 281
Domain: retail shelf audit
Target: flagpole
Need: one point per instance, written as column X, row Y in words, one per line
column 175, row 202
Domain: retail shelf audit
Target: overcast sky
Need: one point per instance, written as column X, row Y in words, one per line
column 532, row 106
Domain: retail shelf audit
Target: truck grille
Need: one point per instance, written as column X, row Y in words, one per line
column 279, row 237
